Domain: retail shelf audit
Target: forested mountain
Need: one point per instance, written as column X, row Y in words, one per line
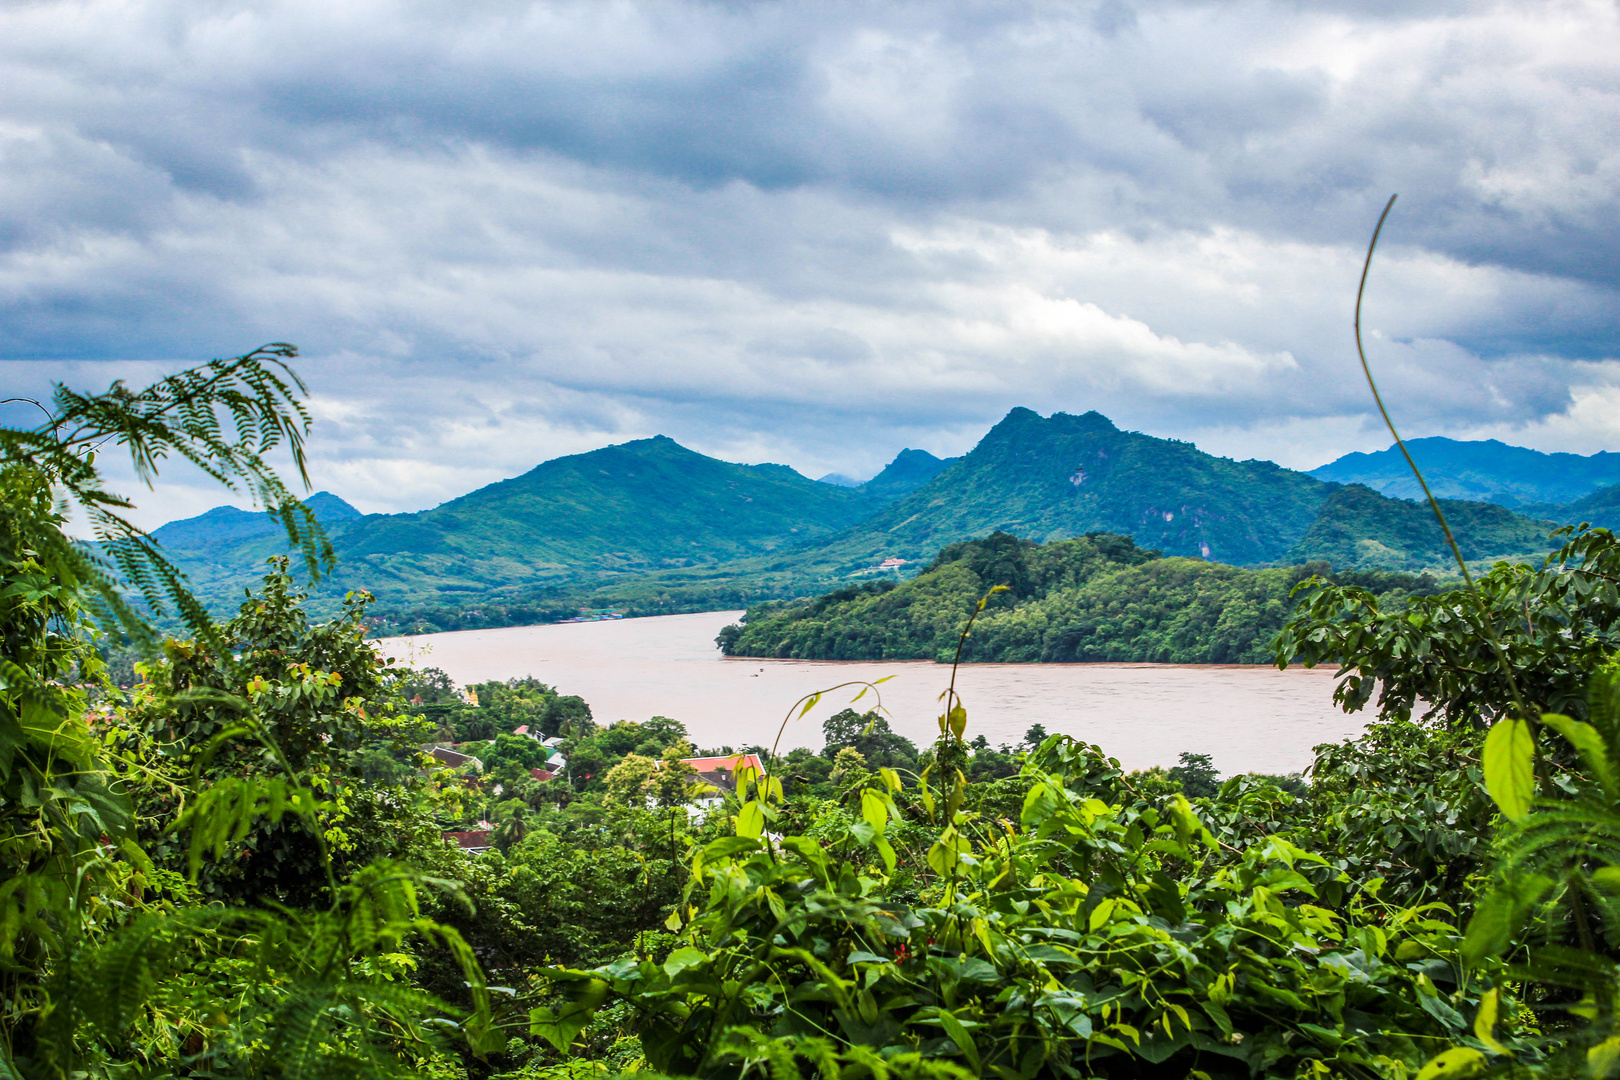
column 224, row 526
column 1094, row 598
column 639, row 506
column 1358, row 527
column 910, row 470
column 1485, row 470
column 1601, row 507
column 1061, row 476
column 651, row 526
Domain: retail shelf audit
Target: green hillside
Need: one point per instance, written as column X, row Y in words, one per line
column 1066, row 475
column 1601, row 507
column 630, row 509
column 909, row 470
column 1357, row 526
column 639, row 506
column 1482, row 470
column 1094, row 598
column 223, row 527
column 1063, row 476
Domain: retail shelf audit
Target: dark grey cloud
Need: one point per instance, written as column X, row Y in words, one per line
column 816, row 233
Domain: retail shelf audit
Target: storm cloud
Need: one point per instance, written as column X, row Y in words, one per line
column 817, row 233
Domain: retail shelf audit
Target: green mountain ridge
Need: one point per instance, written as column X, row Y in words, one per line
column 909, row 470
column 1045, row 478
column 636, row 507
column 1601, row 507
column 1485, row 470
column 651, row 527
column 226, row 524
column 1064, row 476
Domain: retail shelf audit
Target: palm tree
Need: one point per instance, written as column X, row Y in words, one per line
column 512, row 830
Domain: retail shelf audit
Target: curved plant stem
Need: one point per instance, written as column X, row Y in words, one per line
column 810, row 700
column 950, row 696
column 1485, row 623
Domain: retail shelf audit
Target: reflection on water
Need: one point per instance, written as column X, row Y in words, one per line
column 1246, row 718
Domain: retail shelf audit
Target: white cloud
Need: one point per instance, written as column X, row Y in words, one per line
column 818, row 234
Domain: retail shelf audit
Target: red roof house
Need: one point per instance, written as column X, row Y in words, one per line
column 721, row 772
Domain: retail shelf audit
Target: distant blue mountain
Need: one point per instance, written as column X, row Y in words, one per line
column 227, row 524
column 909, row 470
column 1484, row 471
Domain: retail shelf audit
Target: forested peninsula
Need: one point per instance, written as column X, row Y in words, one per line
column 1098, row 597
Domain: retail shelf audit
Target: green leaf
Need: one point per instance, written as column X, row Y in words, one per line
column 560, row 1028
column 1040, row 803
column 874, row 812
column 726, row 847
column 959, row 1035
column 946, row 854
column 1455, row 1064
column 683, row 958
column 1485, row 1021
column 1509, row 760
column 1602, row 1059
column 1498, row 915
column 750, row 820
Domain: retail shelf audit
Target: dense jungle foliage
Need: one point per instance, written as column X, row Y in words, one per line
column 1096, row 597
column 238, row 868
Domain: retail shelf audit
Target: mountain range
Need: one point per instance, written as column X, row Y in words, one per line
column 652, row 526
column 1486, row 470
column 1043, row 478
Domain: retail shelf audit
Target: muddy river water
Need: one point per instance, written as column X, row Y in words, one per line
column 1245, row 718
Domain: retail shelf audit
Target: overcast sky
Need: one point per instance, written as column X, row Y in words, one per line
column 816, row 233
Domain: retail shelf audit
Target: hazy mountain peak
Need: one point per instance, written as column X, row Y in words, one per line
column 329, row 508
column 227, row 523
column 1484, row 470
column 909, row 470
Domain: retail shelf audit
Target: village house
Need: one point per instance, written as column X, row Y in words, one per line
column 720, row 773
column 455, row 759
column 472, row 841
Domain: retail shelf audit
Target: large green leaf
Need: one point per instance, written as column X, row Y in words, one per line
column 1457, row 1063
column 1509, row 760
column 561, row 1026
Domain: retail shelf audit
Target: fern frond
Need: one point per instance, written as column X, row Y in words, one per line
column 224, row 813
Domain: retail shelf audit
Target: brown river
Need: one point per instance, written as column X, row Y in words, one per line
column 1246, row 718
